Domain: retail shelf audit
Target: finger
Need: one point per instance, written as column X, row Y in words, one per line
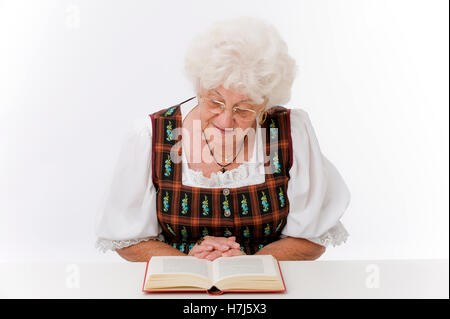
column 202, row 254
column 227, row 253
column 228, row 241
column 198, row 248
column 203, row 247
column 216, row 244
column 215, row 254
column 232, row 252
column 234, row 244
column 222, row 240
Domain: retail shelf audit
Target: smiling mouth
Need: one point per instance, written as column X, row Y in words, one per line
column 226, row 131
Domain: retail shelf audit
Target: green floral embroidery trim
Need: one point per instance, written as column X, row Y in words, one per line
column 170, row 111
column 227, row 232
column 246, row 232
column 273, row 131
column 244, row 205
column 264, row 202
column 205, row 207
column 226, row 206
column 181, row 247
column 169, row 132
column 170, row 229
column 276, row 163
column 167, row 166
column 184, row 204
column 267, row 230
column 166, row 202
column 279, row 225
column 184, row 233
column 281, row 197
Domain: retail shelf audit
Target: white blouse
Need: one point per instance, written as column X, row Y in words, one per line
column 318, row 196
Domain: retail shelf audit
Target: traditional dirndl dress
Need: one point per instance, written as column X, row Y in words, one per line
column 255, row 214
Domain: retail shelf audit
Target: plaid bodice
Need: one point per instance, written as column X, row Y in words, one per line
column 255, row 214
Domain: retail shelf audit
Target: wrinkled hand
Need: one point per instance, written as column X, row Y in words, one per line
column 214, row 247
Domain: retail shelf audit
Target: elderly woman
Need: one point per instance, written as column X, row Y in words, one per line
column 228, row 171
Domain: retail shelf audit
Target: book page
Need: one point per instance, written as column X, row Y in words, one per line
column 180, row 265
column 261, row 265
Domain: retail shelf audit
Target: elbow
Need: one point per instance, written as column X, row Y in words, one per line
column 123, row 255
column 126, row 254
column 306, row 249
column 317, row 252
column 314, row 251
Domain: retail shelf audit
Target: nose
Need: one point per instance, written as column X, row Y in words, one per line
column 225, row 119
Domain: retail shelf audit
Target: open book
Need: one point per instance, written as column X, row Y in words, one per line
column 260, row 273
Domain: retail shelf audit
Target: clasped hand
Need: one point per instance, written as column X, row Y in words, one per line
column 214, row 247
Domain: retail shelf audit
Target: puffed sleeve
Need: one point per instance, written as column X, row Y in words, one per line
column 128, row 213
column 317, row 193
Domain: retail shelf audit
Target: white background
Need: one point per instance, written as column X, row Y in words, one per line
column 373, row 76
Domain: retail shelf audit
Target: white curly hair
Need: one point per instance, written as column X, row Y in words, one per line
column 246, row 54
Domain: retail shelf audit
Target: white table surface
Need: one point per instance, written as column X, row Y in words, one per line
column 304, row 279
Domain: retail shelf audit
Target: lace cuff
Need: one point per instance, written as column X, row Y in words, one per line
column 335, row 236
column 106, row 244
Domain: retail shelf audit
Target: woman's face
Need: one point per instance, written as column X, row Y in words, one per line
column 226, row 124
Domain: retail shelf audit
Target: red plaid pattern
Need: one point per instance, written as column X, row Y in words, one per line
column 255, row 214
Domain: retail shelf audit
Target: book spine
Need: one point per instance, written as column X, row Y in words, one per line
column 281, row 274
column 215, row 293
column 145, row 276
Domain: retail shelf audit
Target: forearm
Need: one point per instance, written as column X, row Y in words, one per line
column 291, row 248
column 146, row 249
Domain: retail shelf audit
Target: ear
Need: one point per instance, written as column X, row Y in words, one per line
column 262, row 117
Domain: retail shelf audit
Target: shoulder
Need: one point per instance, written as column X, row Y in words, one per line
column 303, row 135
column 141, row 126
column 296, row 121
column 170, row 111
column 300, row 121
column 294, row 113
column 144, row 124
column 298, row 115
column 174, row 111
column 297, row 118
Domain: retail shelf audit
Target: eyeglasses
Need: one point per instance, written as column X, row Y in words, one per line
column 216, row 106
